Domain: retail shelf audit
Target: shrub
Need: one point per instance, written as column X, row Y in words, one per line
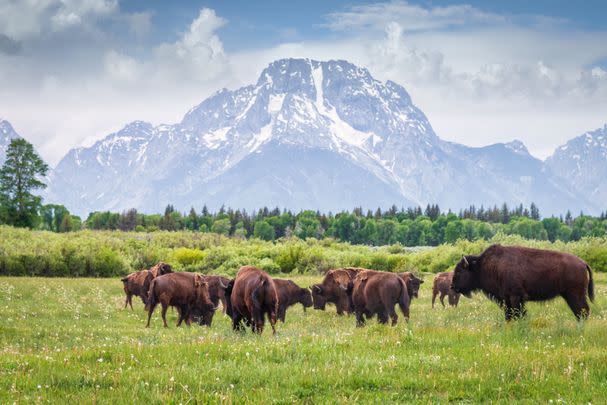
column 186, row 257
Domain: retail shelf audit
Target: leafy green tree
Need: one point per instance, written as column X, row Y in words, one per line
column 308, row 226
column 221, row 226
column 19, row 178
column 263, row 230
column 552, row 226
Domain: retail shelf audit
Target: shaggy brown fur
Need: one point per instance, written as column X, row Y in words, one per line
column 290, row 294
column 376, row 293
column 188, row 292
column 253, row 295
column 333, row 289
column 442, row 286
column 512, row 275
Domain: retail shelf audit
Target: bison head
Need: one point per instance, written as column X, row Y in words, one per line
column 413, row 283
column 164, row 268
column 465, row 276
column 203, row 301
column 318, row 297
column 305, row 298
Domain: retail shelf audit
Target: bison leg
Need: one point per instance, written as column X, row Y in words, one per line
column 128, row 301
column 236, row 321
column 442, row 298
column 150, row 312
column 360, row 320
column 579, row 306
column 382, row 317
column 272, row 317
column 515, row 308
column 164, row 314
column 434, row 294
column 282, row 311
column 393, row 316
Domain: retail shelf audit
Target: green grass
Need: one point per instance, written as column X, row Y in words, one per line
column 69, row 340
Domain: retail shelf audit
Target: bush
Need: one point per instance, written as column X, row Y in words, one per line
column 111, row 253
column 186, row 257
column 268, row 265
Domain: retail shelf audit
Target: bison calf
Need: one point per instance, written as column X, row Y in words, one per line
column 253, row 295
column 442, row 286
column 512, row 275
column 412, row 282
column 290, row 294
column 138, row 283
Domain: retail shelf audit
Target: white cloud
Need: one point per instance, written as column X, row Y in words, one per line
column 24, row 19
column 492, row 79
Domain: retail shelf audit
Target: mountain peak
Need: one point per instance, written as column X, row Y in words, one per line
column 517, row 146
column 308, row 134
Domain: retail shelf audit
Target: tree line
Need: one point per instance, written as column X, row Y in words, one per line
column 23, row 170
column 413, row 226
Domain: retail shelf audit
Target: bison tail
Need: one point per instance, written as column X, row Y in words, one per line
column 151, row 301
column 404, row 300
column 256, row 298
column 590, row 284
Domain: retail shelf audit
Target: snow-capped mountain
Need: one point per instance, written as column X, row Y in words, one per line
column 308, row 134
column 6, row 134
column 582, row 162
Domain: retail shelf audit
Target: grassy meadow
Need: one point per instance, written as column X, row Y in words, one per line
column 70, row 340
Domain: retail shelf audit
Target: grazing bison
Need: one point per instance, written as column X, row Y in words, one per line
column 188, row 292
column 512, row 275
column 138, row 283
column 376, row 293
column 333, row 289
column 290, row 294
column 412, row 282
column 253, row 295
column 442, row 286
column 217, row 290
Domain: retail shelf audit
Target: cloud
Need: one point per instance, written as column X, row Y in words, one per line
column 74, row 71
column 412, row 17
column 27, row 19
column 82, row 73
column 198, row 54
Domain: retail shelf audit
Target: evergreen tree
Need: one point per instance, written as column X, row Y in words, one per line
column 19, row 177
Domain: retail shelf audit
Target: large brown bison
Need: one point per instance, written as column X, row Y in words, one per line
column 188, row 292
column 442, row 286
column 376, row 293
column 333, row 289
column 512, row 275
column 138, row 283
column 253, row 295
column 412, row 282
column 290, row 294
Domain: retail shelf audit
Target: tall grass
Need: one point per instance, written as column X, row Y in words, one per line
column 69, row 340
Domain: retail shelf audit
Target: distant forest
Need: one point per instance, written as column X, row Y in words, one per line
column 408, row 227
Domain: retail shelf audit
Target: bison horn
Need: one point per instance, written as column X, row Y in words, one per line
column 317, row 288
column 223, row 285
column 465, row 261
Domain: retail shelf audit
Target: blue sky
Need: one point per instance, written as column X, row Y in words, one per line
column 483, row 71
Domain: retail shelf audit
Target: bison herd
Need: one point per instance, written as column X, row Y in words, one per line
column 510, row 276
